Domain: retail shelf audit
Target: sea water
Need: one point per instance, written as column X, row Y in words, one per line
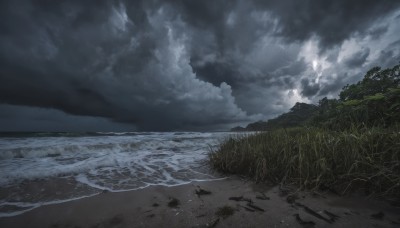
column 46, row 168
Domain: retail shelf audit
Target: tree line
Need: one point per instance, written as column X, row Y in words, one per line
column 373, row 101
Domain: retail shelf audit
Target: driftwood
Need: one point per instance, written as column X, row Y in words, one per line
column 199, row 192
column 240, row 198
column 313, row 213
column 255, row 207
column 332, row 216
column 262, row 196
column 247, row 208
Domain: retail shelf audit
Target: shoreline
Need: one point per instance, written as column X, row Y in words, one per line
column 151, row 207
column 33, row 206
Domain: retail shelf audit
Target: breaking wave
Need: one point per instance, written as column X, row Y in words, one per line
column 80, row 166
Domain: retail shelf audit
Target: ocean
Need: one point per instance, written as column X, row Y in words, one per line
column 47, row 168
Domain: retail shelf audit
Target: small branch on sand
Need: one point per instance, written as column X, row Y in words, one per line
column 262, row 196
column 247, row 208
column 312, row 212
column 199, row 192
column 240, row 198
column 249, row 202
column 255, row 207
column 332, row 216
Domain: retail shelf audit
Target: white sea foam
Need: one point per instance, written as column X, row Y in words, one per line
column 113, row 162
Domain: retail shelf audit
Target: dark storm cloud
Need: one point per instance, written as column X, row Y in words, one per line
column 309, row 88
column 358, row 58
column 24, row 118
column 377, row 32
column 331, row 21
column 124, row 61
column 335, row 84
column 164, row 65
column 390, row 55
column 295, row 68
column 388, row 58
column 216, row 73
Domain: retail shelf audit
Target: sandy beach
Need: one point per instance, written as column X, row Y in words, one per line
column 155, row 207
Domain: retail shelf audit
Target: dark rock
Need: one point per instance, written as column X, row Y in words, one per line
column 291, row 199
column 173, row 202
column 199, row 192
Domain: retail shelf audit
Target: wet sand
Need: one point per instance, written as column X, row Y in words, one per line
column 154, row 207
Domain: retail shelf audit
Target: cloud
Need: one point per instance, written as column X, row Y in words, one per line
column 105, row 64
column 25, row 118
column 332, row 22
column 309, row 88
column 167, row 65
column 378, row 32
column 358, row 58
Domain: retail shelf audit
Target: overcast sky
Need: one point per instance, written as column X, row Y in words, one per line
column 182, row 65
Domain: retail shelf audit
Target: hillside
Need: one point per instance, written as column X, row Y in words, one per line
column 375, row 100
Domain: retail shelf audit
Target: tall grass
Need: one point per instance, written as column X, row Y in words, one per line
column 367, row 159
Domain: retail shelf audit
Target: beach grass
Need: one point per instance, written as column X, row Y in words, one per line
column 365, row 159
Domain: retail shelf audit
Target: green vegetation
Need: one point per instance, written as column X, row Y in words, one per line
column 374, row 101
column 312, row 157
column 347, row 144
column 298, row 115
